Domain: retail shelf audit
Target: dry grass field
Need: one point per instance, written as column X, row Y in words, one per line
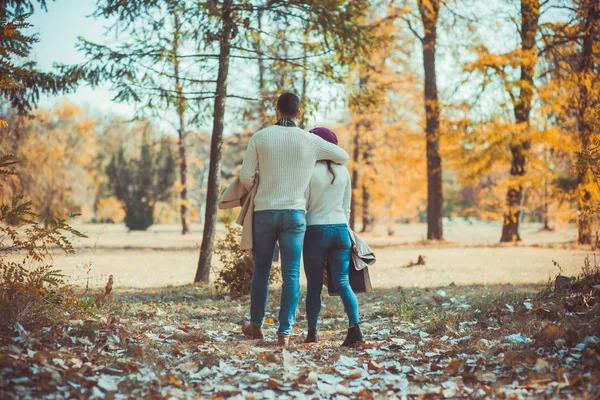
column 471, row 255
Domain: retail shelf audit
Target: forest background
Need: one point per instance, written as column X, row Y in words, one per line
column 451, row 113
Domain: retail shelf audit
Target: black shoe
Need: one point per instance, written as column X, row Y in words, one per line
column 312, row 336
column 354, row 336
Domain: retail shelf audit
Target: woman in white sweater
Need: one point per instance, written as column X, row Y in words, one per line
column 327, row 238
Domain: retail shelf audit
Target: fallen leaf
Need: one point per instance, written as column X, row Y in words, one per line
column 312, row 377
column 373, row 366
column 289, row 363
column 552, row 332
column 453, row 366
column 107, row 383
column 189, row 367
column 256, row 377
column 274, row 383
column 346, row 361
column 435, row 367
column 486, row 376
column 268, row 356
column 450, row 392
column 541, row 365
column 354, row 374
column 175, row 381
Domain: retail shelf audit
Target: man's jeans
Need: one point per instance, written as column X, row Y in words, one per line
column 330, row 242
column 287, row 227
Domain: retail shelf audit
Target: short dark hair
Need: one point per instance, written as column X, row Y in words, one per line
column 288, row 104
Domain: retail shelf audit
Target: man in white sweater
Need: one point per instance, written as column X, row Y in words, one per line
column 284, row 157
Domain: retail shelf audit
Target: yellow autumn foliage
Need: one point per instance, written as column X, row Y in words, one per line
column 110, row 209
column 56, row 149
column 385, row 123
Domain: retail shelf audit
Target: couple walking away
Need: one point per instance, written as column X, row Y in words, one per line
column 302, row 202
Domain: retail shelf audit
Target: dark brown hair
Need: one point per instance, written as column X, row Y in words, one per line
column 288, row 104
column 331, row 171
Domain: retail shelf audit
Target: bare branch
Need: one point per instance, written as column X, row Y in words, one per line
column 412, row 29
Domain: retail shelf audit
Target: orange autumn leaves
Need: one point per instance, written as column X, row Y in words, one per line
column 56, row 149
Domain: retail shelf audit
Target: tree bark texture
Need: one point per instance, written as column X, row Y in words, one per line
column 591, row 10
column 530, row 12
column 216, row 147
column 429, row 10
column 181, row 132
column 354, row 182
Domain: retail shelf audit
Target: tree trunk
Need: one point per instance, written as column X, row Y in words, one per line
column 304, row 90
column 590, row 8
column 514, row 197
column 354, row 182
column 429, row 10
column 212, row 194
column 546, row 207
column 262, row 87
column 367, row 217
column 546, row 195
column 181, row 140
column 530, row 12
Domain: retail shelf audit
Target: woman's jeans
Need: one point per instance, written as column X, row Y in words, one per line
column 268, row 227
column 328, row 242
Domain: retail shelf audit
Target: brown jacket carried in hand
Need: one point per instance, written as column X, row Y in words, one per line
column 236, row 195
column 362, row 257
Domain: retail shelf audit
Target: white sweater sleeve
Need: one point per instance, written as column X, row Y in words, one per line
column 328, row 151
column 347, row 197
column 250, row 165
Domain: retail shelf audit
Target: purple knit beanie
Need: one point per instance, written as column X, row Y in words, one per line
column 326, row 134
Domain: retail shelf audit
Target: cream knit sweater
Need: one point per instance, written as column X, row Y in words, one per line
column 285, row 158
column 328, row 203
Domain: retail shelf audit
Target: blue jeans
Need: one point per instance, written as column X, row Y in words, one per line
column 328, row 242
column 287, row 227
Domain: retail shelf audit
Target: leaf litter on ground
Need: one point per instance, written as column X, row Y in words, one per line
column 478, row 342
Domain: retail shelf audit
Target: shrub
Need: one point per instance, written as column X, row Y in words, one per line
column 141, row 183
column 236, row 273
column 32, row 292
column 110, row 210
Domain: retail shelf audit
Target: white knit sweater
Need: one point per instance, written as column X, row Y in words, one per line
column 285, row 158
column 328, row 203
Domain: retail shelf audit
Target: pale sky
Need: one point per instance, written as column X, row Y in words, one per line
column 59, row 29
column 66, row 20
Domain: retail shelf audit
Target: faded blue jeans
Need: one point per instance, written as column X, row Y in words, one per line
column 330, row 242
column 287, row 227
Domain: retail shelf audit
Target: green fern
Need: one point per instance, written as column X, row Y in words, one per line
column 30, row 289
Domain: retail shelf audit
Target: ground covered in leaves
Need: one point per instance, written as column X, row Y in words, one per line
column 454, row 342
